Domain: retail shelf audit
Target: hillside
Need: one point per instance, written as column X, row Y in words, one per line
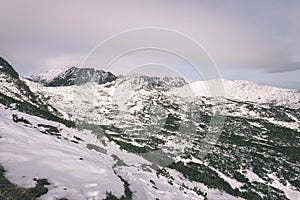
column 139, row 137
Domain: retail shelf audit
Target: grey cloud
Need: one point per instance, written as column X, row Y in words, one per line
column 239, row 36
column 286, row 67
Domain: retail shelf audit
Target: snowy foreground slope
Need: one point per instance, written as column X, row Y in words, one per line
column 76, row 172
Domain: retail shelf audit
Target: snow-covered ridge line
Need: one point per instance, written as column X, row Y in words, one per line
column 48, row 75
column 242, row 91
column 51, row 74
column 231, row 89
column 73, row 76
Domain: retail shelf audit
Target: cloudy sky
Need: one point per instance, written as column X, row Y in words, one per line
column 255, row 40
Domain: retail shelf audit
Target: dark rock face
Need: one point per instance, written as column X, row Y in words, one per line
column 78, row 76
column 11, row 76
column 5, row 67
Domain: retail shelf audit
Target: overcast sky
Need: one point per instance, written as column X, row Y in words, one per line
column 250, row 40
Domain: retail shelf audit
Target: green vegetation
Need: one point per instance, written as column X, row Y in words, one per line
column 203, row 174
column 126, row 196
column 200, row 193
column 50, row 130
column 130, row 147
column 96, row 148
column 172, row 123
column 163, row 172
column 10, row 191
column 101, row 130
column 20, row 119
column 33, row 110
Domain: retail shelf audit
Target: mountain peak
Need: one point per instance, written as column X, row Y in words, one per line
column 7, row 68
column 47, row 76
column 72, row 76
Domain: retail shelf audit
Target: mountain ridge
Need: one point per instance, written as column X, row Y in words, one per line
column 232, row 89
column 7, row 68
column 149, row 138
column 49, row 75
column 72, row 76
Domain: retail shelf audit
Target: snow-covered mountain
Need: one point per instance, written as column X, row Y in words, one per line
column 137, row 137
column 14, row 89
column 11, row 84
column 246, row 91
column 72, row 76
column 48, row 76
column 233, row 89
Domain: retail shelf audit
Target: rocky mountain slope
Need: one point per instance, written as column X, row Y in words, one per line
column 149, row 134
column 72, row 76
column 248, row 91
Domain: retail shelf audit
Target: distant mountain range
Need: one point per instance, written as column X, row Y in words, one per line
column 72, row 76
column 80, row 133
column 233, row 89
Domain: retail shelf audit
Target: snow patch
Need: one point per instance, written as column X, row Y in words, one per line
column 48, row 75
column 288, row 189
